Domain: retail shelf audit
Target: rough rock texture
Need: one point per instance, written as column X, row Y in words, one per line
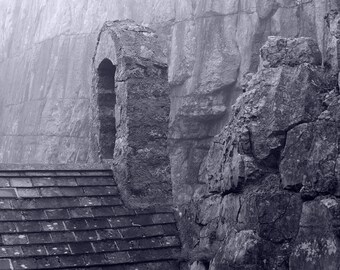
column 213, row 45
column 271, row 178
column 333, row 35
column 241, row 248
column 317, row 243
column 45, row 70
column 140, row 102
column 46, row 51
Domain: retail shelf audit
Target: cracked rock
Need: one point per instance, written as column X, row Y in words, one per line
column 266, row 170
column 290, row 51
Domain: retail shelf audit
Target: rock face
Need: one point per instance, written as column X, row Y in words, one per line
column 134, row 100
column 46, row 51
column 213, row 45
column 45, row 66
column 271, row 176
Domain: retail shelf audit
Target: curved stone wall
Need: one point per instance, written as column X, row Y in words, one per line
column 141, row 111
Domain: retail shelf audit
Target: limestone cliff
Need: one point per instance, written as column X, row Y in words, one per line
column 271, row 193
column 213, row 45
column 46, row 49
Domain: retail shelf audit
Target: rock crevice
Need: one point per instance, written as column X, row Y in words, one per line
column 273, row 164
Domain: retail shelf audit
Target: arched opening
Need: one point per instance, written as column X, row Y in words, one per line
column 106, row 101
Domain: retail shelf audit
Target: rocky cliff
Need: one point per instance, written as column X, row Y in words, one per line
column 46, row 51
column 213, row 45
column 45, row 69
column 45, row 73
column 270, row 198
column 47, row 47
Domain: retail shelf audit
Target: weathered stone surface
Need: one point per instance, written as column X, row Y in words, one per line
column 292, row 52
column 45, row 71
column 206, row 77
column 316, row 245
column 45, row 58
column 310, row 157
column 278, row 99
column 197, row 266
column 46, row 51
column 282, row 138
column 139, row 111
column 240, row 250
column 332, row 56
column 45, row 74
column 273, row 213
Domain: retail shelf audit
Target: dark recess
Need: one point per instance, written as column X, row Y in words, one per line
column 106, row 104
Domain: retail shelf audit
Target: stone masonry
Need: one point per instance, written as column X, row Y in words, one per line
column 141, row 111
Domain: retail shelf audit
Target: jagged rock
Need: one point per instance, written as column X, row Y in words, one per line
column 316, row 245
column 208, row 210
column 282, row 137
column 310, row 157
column 275, row 215
column 51, row 61
column 241, row 250
column 197, row 266
column 332, row 20
column 230, row 33
column 45, row 72
column 277, row 99
column 282, row 51
column 46, row 51
column 333, row 35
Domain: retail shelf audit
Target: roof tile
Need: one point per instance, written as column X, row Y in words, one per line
column 77, row 219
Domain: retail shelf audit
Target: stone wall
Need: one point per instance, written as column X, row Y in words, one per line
column 141, row 107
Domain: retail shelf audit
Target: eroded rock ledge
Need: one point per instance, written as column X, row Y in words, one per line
column 271, row 199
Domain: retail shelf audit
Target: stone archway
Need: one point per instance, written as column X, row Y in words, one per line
column 141, row 110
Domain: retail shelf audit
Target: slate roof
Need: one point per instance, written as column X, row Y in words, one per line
column 77, row 220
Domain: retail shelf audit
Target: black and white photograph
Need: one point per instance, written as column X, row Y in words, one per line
column 170, row 134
